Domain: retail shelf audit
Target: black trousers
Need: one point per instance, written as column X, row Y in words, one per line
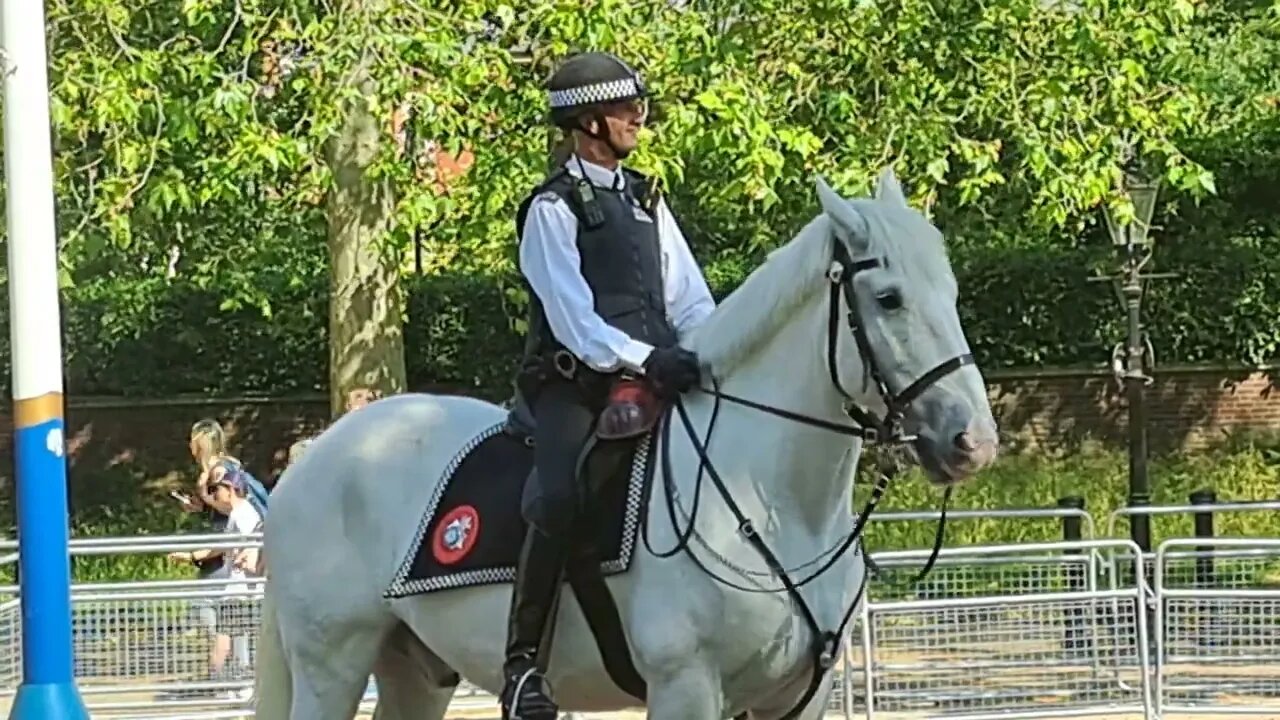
column 565, row 417
column 565, row 414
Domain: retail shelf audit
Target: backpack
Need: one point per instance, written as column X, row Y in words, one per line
column 257, row 491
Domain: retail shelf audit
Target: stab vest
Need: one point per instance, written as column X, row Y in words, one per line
column 621, row 261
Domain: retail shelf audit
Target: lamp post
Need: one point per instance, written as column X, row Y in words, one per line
column 1132, row 239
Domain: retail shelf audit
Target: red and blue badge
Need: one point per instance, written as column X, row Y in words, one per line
column 455, row 535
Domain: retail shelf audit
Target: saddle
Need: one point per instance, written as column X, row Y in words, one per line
column 632, row 409
column 473, row 529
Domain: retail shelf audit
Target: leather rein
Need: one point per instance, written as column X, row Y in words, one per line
column 885, row 430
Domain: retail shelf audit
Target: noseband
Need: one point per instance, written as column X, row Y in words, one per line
column 886, row 430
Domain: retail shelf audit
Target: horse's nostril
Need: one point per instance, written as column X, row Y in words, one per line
column 964, row 441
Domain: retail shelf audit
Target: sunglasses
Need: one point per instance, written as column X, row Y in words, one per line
column 636, row 107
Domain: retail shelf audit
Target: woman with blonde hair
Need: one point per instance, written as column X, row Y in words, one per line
column 208, row 443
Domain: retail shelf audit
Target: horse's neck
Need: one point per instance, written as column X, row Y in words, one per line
column 803, row 474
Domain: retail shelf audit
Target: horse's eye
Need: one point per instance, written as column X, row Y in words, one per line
column 890, row 300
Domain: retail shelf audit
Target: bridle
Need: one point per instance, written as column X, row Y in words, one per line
column 886, row 430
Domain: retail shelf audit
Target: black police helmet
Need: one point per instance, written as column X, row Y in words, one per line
column 588, row 80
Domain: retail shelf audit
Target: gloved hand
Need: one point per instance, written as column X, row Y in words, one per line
column 672, row 370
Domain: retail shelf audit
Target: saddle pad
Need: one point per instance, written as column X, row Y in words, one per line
column 473, row 528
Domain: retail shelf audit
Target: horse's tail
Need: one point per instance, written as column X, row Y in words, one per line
column 274, row 682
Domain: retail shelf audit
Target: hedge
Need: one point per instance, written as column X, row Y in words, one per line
column 1021, row 307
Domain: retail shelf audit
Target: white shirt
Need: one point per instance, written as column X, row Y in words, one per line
column 551, row 263
column 243, row 520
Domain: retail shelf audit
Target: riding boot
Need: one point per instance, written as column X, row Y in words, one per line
column 539, row 577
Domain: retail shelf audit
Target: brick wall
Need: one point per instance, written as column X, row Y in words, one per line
column 1187, row 408
column 140, row 446
column 146, row 441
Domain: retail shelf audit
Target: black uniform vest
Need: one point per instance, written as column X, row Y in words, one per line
column 621, row 261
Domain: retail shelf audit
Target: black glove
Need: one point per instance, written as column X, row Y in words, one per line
column 672, row 370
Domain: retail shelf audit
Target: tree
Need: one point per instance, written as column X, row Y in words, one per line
column 209, row 150
column 366, row 307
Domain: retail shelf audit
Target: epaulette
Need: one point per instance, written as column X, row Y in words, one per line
column 542, row 188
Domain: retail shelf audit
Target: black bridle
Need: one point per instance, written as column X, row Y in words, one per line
column 870, row 428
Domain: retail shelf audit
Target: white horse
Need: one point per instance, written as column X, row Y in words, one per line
column 342, row 518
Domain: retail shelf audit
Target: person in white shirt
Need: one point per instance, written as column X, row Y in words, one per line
column 613, row 290
column 232, row 490
column 234, row 613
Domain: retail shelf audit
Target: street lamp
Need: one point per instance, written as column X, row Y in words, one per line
column 1134, row 232
column 1131, row 237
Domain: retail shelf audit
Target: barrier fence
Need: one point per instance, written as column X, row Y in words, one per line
column 1084, row 626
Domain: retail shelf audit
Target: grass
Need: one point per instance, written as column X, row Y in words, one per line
column 1244, row 467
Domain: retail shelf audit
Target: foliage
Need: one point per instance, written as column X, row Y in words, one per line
column 191, row 175
column 1021, row 307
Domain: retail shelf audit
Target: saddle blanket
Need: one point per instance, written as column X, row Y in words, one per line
column 473, row 528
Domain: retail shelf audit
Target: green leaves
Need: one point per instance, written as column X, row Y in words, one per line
column 190, row 136
column 1033, row 105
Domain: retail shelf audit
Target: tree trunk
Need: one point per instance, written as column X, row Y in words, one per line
column 366, row 302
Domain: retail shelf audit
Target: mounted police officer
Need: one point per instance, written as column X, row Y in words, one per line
column 613, row 289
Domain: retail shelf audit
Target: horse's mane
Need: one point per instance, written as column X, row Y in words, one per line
column 790, row 274
column 773, row 291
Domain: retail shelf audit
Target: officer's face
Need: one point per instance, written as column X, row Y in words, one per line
column 625, row 120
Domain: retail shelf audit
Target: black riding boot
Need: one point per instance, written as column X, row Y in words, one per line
column 539, row 577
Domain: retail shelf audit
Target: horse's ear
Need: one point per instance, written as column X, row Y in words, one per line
column 888, row 188
column 842, row 212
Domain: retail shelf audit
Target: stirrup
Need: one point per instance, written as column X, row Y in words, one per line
column 543, row 707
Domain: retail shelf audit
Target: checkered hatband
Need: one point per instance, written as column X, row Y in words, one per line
column 600, row 92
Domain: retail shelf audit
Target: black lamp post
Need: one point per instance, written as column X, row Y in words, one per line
column 1131, row 237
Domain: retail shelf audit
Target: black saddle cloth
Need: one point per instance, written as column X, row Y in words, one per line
column 472, row 528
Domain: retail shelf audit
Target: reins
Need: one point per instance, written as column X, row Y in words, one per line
column 868, row 427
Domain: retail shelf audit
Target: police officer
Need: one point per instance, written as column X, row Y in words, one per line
column 613, row 288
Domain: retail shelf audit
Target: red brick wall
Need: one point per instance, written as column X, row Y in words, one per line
column 147, row 440
column 1187, row 409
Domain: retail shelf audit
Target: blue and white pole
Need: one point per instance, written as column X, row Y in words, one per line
column 48, row 689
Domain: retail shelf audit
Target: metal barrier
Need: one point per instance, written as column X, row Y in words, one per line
column 1192, row 509
column 1218, row 610
column 1201, row 509
column 1009, row 631
column 1075, row 522
column 144, row 648
column 1048, row 649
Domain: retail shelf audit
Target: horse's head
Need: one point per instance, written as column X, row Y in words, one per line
column 905, row 353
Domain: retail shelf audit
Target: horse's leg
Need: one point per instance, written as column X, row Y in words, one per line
column 413, row 684
column 688, row 690
column 331, row 667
